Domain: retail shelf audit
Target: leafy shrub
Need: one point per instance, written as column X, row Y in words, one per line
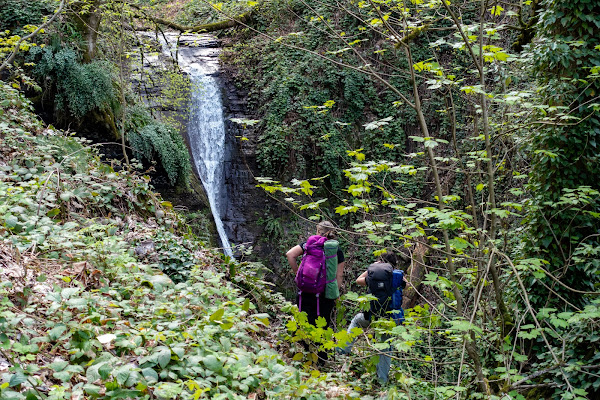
column 150, row 138
column 200, row 224
column 17, row 13
column 312, row 111
column 80, row 88
column 198, row 11
column 174, row 255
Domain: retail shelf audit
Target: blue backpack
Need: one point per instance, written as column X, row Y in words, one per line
column 397, row 285
column 386, row 283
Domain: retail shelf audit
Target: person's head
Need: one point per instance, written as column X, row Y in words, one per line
column 389, row 257
column 326, row 229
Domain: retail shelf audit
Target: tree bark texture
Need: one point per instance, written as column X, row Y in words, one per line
column 88, row 21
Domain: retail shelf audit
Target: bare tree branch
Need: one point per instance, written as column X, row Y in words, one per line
column 231, row 22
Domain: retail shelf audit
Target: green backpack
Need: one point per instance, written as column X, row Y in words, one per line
column 331, row 288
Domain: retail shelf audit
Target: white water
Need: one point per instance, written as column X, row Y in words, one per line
column 206, row 131
column 206, row 127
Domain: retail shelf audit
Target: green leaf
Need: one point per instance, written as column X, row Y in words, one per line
column 56, row 332
column 377, row 124
column 54, row 212
column 124, row 394
column 168, row 390
column 217, row 315
column 291, row 325
column 66, row 196
column 264, row 318
column 104, row 370
column 464, row 326
column 121, row 374
column 17, row 379
column 64, row 376
column 320, row 322
column 59, row 365
column 246, row 305
column 91, row 389
column 529, row 335
column 92, row 373
column 496, row 10
column 68, row 292
column 501, row 56
column 150, row 374
column 11, row 221
column 459, row 243
column 226, row 325
column 163, row 356
column 212, row 363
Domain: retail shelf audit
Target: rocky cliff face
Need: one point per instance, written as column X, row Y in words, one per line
column 246, row 202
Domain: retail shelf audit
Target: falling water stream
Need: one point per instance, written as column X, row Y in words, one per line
column 206, row 127
column 206, row 131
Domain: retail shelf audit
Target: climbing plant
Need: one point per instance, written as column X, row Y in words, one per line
column 152, row 139
column 78, row 88
column 15, row 14
column 565, row 156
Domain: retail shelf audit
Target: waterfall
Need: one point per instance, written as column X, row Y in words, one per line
column 206, row 131
column 206, row 128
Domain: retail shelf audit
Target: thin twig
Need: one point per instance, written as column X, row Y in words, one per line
column 12, row 56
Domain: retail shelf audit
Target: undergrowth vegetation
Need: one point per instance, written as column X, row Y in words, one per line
column 18, row 13
column 85, row 310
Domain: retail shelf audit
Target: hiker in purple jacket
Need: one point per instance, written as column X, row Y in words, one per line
column 321, row 305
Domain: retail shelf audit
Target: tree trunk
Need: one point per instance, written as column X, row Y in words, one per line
column 415, row 276
column 88, row 21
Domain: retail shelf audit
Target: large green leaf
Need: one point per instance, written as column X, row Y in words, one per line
column 150, row 374
column 217, row 315
column 16, row 379
column 212, row 363
column 163, row 356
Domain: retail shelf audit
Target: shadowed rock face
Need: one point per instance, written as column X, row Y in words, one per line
column 246, row 202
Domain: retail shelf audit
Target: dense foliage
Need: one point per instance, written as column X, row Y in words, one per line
column 78, row 88
column 90, row 92
column 324, row 107
column 568, row 61
column 15, row 14
column 505, row 255
column 150, row 138
column 84, row 312
column 462, row 134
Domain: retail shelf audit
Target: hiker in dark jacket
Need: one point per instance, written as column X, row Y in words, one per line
column 363, row 320
column 309, row 301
